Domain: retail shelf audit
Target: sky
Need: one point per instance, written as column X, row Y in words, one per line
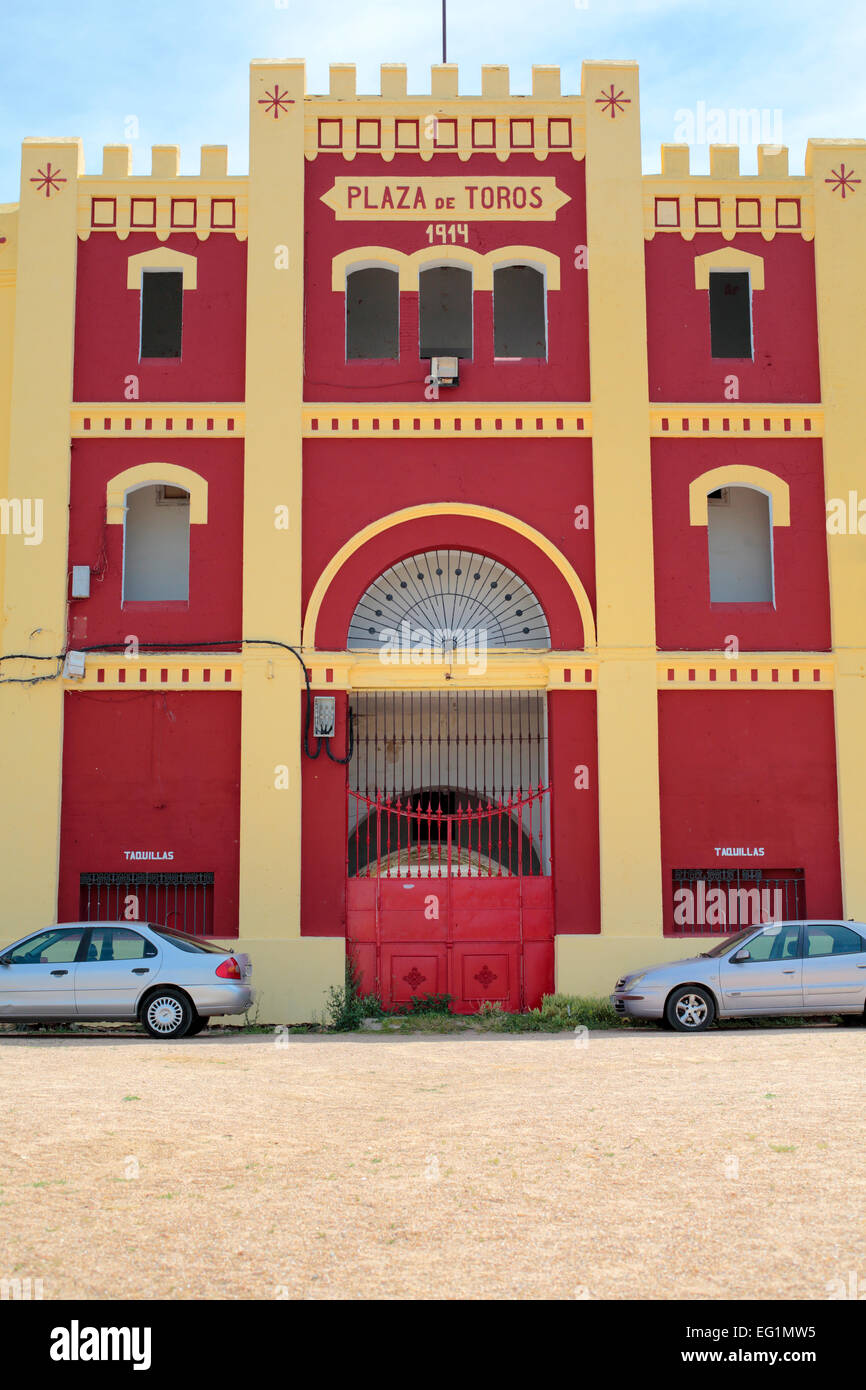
column 179, row 67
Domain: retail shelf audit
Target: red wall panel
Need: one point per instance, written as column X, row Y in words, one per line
column 542, row 483
column 213, row 611
column 574, row 811
column 107, row 322
column 152, row 771
column 750, row 769
column 785, row 323
column 685, row 618
column 324, row 830
column 564, row 376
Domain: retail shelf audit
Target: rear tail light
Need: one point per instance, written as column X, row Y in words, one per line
column 229, row 970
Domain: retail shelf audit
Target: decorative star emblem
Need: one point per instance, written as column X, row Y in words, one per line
column 276, row 102
column 414, row 978
column 612, row 101
column 485, row 977
column 843, row 179
column 48, row 180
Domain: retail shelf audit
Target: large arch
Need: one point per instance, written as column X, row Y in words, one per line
column 461, row 510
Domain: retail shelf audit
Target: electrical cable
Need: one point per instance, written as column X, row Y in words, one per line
column 235, row 642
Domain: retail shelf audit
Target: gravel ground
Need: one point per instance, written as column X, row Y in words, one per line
column 641, row 1165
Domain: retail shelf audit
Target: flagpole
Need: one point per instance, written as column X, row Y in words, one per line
column 444, row 34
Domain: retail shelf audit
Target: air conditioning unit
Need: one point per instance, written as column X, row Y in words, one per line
column 444, row 371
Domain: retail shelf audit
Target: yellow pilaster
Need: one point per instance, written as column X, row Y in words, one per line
column 270, row 851
column 840, row 233
column 8, row 260
column 36, row 563
column 627, row 709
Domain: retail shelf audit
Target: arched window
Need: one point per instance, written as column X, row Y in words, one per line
column 448, row 600
column 445, row 308
column 740, row 540
column 372, row 313
column 156, row 543
column 519, row 316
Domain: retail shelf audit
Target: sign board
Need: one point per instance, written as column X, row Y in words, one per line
column 474, row 199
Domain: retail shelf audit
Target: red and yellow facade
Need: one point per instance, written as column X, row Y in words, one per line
column 681, row 734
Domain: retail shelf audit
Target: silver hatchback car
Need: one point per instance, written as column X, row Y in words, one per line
column 100, row 971
column 810, row 967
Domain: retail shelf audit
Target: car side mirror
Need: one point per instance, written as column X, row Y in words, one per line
column 740, row 956
column 5, row 960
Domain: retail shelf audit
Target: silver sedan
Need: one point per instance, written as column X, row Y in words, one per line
column 811, row 967
column 99, row 971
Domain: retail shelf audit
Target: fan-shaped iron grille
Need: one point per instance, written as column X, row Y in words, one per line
column 446, row 597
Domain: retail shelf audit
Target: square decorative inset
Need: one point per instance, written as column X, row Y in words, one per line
column 485, row 976
column 142, row 212
column 787, row 212
column 183, row 212
column 406, row 135
column 667, row 212
column 748, row 212
column 559, row 132
column 483, row 134
column 368, row 133
column 103, row 212
column 413, row 974
column 445, row 132
column 708, row 212
column 330, row 133
column 222, row 212
column 522, row 133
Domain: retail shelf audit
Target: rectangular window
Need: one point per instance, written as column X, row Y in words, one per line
column 445, row 306
column 519, row 316
column 372, row 313
column 161, row 313
column 730, row 313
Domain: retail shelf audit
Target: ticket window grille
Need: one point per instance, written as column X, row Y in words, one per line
column 722, row 901
column 449, row 784
column 181, row 901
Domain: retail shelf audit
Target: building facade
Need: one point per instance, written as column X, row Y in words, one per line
column 443, row 543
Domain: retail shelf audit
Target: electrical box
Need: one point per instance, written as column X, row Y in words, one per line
column 81, row 581
column 74, row 664
column 324, row 716
column 444, row 370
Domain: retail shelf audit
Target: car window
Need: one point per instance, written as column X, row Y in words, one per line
column 48, row 948
column 186, row 943
column 831, row 939
column 775, row 943
column 118, row 943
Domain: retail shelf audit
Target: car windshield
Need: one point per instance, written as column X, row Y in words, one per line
column 187, row 943
column 728, row 942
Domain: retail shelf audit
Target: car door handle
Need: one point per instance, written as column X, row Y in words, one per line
column 789, row 972
column 141, row 970
column 60, row 972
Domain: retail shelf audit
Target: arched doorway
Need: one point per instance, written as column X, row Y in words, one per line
column 448, row 847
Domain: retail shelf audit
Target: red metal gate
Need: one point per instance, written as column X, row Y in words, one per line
column 455, row 901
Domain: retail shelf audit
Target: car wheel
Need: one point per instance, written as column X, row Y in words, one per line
column 690, row 1010
column 198, row 1025
column 853, row 1020
column 167, row 1014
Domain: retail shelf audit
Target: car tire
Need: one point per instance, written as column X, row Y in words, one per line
column 198, row 1025
column 853, row 1020
column 167, row 1013
column 690, row 1009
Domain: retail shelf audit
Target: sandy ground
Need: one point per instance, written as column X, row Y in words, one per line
column 643, row 1165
